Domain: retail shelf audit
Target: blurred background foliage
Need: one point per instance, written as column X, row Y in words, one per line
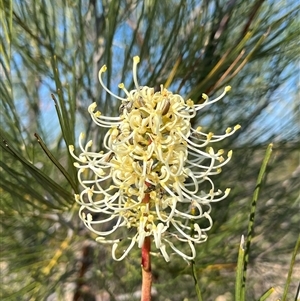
column 57, row 47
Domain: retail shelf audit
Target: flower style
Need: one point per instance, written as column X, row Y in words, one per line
column 157, row 166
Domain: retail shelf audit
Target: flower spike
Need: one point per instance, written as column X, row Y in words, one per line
column 152, row 176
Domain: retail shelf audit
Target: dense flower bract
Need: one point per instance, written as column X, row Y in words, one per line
column 149, row 179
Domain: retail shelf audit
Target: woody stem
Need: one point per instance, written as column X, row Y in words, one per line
column 146, row 270
column 146, row 263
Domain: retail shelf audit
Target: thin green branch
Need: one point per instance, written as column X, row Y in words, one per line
column 56, row 163
column 267, row 294
column 239, row 271
column 38, row 175
column 252, row 216
column 292, row 264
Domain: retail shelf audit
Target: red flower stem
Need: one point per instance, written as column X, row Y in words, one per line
column 146, row 270
column 146, row 263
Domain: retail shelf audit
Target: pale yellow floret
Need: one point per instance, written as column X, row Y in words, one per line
column 150, row 218
column 204, row 96
column 92, row 106
column 221, row 159
column 228, row 130
column 190, row 103
column 114, row 132
column 143, row 219
column 237, row 127
column 89, row 217
column 143, row 209
column 210, row 150
column 210, row 135
column 103, row 69
column 136, row 59
column 227, row 88
column 227, row 191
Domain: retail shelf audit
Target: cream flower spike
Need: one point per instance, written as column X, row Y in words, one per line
column 150, row 181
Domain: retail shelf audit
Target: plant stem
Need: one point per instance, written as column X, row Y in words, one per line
column 146, row 270
column 146, row 262
column 252, row 216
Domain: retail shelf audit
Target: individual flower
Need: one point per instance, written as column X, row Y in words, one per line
column 153, row 176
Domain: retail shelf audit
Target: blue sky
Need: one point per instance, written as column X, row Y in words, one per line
column 277, row 117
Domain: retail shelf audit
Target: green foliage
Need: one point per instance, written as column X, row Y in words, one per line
column 58, row 47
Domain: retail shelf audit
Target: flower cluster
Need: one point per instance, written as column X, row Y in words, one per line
column 151, row 177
